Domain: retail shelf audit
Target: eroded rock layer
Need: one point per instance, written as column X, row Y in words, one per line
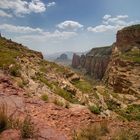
column 94, row 62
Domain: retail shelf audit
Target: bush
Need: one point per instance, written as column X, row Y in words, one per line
column 27, row 129
column 57, row 102
column 112, row 105
column 66, row 95
column 44, row 97
column 15, row 71
column 60, row 103
column 94, row 109
column 127, row 134
column 3, row 117
column 132, row 112
column 92, row 132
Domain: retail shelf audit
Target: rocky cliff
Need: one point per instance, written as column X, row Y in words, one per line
column 94, row 62
column 123, row 72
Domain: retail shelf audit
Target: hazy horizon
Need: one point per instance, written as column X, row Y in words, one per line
column 53, row 26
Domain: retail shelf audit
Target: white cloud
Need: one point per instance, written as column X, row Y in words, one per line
column 102, row 28
column 106, row 17
column 21, row 7
column 51, row 4
column 120, row 19
column 19, row 29
column 37, row 6
column 112, row 23
column 36, row 33
column 69, row 25
column 56, row 35
column 4, row 14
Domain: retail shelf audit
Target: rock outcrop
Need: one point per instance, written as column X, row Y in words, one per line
column 75, row 60
column 123, row 72
column 94, row 62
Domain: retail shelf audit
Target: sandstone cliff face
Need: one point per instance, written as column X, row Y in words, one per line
column 128, row 37
column 95, row 62
column 75, row 61
column 123, row 72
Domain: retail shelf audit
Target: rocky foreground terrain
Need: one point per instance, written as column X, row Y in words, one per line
column 40, row 100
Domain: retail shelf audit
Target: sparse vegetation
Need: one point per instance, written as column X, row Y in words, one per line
column 66, row 95
column 94, row 109
column 15, row 70
column 27, row 128
column 7, row 55
column 132, row 112
column 127, row 134
column 112, row 104
column 92, row 132
column 42, row 78
column 132, row 56
column 61, row 103
column 3, row 117
column 44, row 97
column 83, row 85
column 58, row 102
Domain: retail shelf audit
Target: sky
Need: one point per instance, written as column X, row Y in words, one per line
column 52, row 26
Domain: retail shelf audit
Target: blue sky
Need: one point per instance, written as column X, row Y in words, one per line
column 54, row 26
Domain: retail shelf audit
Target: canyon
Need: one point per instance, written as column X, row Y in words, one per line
column 46, row 101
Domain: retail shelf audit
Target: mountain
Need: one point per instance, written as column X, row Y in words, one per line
column 63, row 60
column 53, row 58
column 43, row 100
column 56, row 55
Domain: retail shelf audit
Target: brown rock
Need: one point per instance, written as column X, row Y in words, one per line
column 10, row 134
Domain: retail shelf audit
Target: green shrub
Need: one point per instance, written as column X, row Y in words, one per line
column 15, row 71
column 132, row 112
column 66, row 95
column 112, row 105
column 94, row 109
column 44, row 97
column 84, row 86
column 131, row 56
column 42, row 78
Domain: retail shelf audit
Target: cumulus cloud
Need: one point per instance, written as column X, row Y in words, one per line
column 101, row 28
column 50, row 36
column 29, row 32
column 37, row 6
column 112, row 23
column 4, row 14
column 21, row 7
column 120, row 19
column 50, row 4
column 69, row 25
column 106, row 17
column 19, row 29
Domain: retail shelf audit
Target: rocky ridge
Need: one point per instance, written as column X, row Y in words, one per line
column 123, row 72
column 56, row 99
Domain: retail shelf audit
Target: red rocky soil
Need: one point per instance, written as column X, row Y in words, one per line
column 52, row 122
